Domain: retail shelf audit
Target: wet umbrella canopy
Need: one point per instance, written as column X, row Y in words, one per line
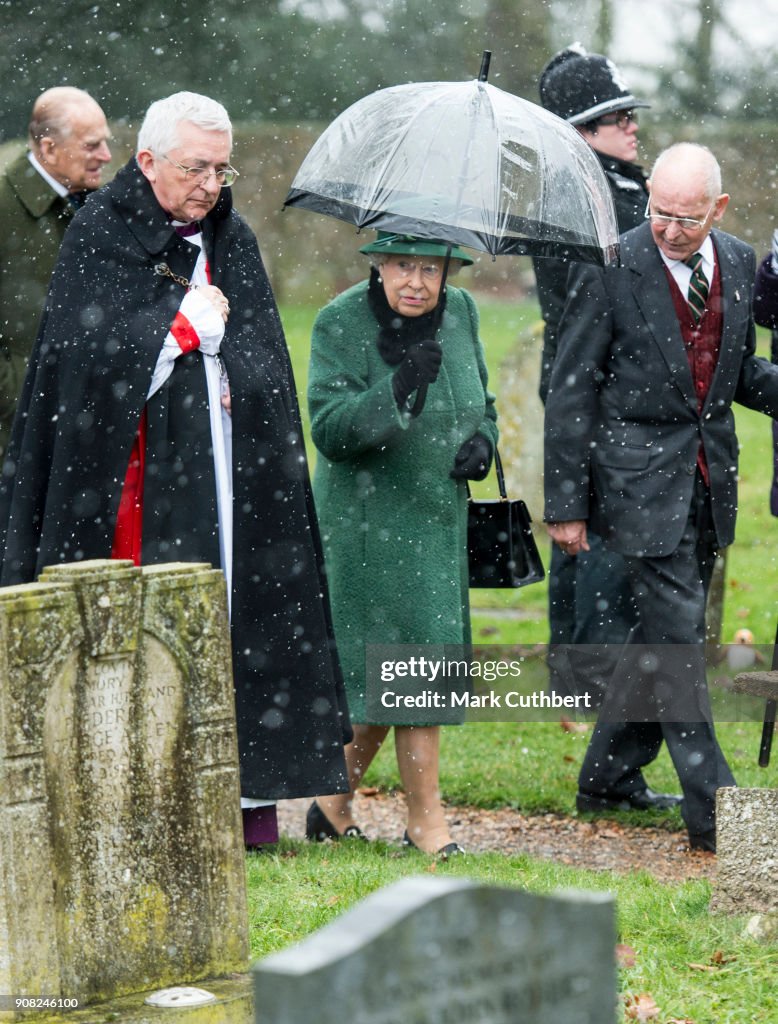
column 466, row 162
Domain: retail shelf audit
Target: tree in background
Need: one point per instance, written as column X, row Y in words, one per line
column 306, row 60
column 689, row 83
column 696, row 82
column 520, row 36
column 603, row 36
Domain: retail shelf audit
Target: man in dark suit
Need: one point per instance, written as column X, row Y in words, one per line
column 641, row 446
column 590, row 614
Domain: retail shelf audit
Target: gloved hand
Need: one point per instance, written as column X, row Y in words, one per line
column 774, row 253
column 473, row 459
column 421, row 365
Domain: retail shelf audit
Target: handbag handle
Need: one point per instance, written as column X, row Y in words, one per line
column 500, row 476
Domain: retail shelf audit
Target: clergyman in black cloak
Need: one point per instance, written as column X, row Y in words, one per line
column 119, row 378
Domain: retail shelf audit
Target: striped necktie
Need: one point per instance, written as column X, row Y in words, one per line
column 698, row 287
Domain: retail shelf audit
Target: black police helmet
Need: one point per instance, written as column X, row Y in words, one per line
column 580, row 86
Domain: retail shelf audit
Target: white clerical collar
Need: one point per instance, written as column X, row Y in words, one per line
column 58, row 187
column 195, row 237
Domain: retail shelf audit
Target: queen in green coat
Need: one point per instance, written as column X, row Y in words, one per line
column 402, row 417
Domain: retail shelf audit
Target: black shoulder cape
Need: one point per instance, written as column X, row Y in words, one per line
column 108, row 311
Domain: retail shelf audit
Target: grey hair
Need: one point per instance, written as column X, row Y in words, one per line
column 52, row 113
column 702, row 155
column 159, row 131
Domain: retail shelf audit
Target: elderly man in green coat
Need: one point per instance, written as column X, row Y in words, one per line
column 390, row 490
column 39, row 193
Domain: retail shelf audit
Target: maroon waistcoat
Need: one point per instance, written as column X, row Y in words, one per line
column 702, row 342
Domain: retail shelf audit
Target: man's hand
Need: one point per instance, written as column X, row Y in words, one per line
column 217, row 299
column 570, row 537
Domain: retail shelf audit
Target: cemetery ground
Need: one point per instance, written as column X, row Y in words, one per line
column 510, row 786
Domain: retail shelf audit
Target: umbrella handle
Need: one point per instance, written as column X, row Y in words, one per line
column 421, row 398
column 421, row 392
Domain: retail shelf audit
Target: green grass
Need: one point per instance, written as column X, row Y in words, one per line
column 533, row 766
column 302, row 887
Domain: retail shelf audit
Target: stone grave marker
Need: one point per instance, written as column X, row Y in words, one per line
column 449, row 951
column 746, row 851
column 120, row 834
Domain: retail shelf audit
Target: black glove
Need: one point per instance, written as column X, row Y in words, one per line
column 473, row 459
column 421, row 365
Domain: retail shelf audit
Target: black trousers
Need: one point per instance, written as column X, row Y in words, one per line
column 659, row 690
column 591, row 617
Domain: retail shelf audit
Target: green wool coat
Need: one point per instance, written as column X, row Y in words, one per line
column 33, row 219
column 394, row 522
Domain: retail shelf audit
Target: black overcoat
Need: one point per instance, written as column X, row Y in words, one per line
column 107, row 314
column 623, row 427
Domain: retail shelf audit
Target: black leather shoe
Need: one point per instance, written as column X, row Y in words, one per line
column 444, row 853
column 703, row 841
column 318, row 827
column 641, row 800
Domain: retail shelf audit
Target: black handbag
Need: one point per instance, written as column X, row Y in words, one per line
column 500, row 547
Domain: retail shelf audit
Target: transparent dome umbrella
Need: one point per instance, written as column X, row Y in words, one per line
column 464, row 162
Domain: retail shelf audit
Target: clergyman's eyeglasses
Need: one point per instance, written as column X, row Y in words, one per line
column 199, row 175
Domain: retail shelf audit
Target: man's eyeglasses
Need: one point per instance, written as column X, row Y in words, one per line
column 687, row 223
column 621, row 119
column 199, row 175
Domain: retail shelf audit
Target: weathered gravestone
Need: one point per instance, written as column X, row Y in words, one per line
column 449, row 951
column 746, row 851
column 747, row 824
column 121, row 860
